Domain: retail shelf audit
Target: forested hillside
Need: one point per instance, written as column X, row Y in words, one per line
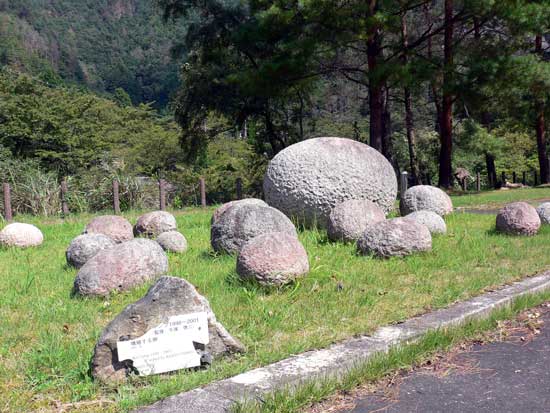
column 101, row 44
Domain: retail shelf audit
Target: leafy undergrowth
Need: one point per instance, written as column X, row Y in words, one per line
column 47, row 337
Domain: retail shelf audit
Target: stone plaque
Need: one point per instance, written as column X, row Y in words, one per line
column 167, row 347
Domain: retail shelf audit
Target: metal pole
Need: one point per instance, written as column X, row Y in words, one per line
column 404, row 183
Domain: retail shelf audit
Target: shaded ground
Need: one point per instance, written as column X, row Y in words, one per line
column 507, row 372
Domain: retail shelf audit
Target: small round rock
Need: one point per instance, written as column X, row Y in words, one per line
column 21, row 235
column 518, row 218
column 428, row 198
column 113, row 226
column 172, row 241
column 154, row 223
column 544, row 212
column 86, row 246
column 241, row 202
column 395, row 237
column 273, row 259
column 349, row 219
column 434, row 222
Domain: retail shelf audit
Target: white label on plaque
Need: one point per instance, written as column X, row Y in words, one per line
column 168, row 346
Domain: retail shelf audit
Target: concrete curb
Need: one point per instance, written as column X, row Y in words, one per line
column 338, row 359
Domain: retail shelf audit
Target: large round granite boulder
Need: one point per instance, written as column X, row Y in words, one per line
column 113, row 226
column 154, row 223
column 426, row 198
column 349, row 220
column 21, row 235
column 544, row 212
column 221, row 210
column 122, row 267
column 240, row 224
column 395, row 237
column 272, row 259
column 308, row 179
column 85, row 246
column 172, row 241
column 434, row 222
column 518, row 218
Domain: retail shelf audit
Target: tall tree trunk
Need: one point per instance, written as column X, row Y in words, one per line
column 376, row 94
column 540, row 127
column 491, row 170
column 409, row 117
column 387, row 144
column 446, row 121
column 434, row 80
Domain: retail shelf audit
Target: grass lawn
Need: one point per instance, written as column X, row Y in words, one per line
column 495, row 199
column 47, row 337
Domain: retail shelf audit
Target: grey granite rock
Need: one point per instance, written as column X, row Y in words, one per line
column 518, row 218
column 172, row 241
column 395, row 237
column 115, row 227
column 169, row 296
column 122, row 267
column 154, row 223
column 272, row 259
column 85, row 246
column 247, row 201
column 544, row 212
column 308, row 179
column 240, row 224
column 428, row 198
column 21, row 235
column 434, row 222
column 349, row 219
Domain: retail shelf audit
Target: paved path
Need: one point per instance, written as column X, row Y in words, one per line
column 511, row 376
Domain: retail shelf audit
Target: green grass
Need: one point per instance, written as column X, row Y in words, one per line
column 47, row 337
column 495, row 199
column 398, row 358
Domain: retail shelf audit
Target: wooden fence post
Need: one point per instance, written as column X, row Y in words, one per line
column 524, row 178
column 116, row 197
column 162, row 195
column 64, row 204
column 202, row 185
column 404, row 183
column 478, row 182
column 514, row 177
column 239, row 184
column 7, row 202
column 503, row 178
column 535, row 180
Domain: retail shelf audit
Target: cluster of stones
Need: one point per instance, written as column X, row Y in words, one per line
column 264, row 239
column 21, row 235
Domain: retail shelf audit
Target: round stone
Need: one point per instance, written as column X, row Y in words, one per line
column 518, row 218
column 21, row 235
column 395, row 237
column 121, row 268
column 426, row 198
column 154, row 223
column 272, row 259
column 434, row 222
column 172, row 241
column 247, row 201
column 308, row 179
column 113, row 226
column 544, row 212
column 242, row 223
column 85, row 246
column 349, row 219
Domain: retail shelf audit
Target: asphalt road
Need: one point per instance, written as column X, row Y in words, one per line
column 511, row 376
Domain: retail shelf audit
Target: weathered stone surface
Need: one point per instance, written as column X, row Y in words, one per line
column 240, row 224
column 544, row 212
column 155, row 223
column 21, row 235
column 85, row 246
column 247, row 201
column 518, row 218
column 428, row 198
column 273, row 259
column 395, row 237
column 308, row 179
column 115, row 227
column 168, row 297
column 434, row 222
column 349, row 219
column 120, row 268
column 172, row 241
